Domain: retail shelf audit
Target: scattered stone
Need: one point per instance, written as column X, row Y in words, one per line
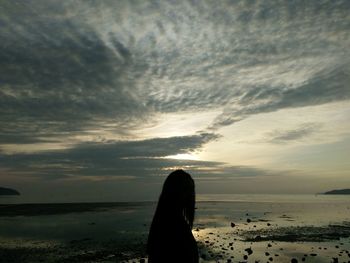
column 294, row 260
column 249, row 220
column 233, row 224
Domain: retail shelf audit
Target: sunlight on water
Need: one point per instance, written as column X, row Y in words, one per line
column 227, row 227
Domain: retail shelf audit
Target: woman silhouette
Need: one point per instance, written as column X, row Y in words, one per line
column 170, row 238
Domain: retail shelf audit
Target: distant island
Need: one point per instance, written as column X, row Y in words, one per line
column 8, row 191
column 338, row 192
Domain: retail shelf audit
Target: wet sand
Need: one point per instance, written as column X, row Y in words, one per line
column 225, row 232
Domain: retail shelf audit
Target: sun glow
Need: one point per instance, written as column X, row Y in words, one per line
column 184, row 156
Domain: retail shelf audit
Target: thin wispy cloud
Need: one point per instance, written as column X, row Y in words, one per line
column 293, row 135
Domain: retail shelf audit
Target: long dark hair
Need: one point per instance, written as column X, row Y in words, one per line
column 170, row 238
column 177, row 199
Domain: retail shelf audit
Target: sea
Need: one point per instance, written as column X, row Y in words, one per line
column 228, row 228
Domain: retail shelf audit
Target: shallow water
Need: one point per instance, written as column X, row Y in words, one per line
column 119, row 232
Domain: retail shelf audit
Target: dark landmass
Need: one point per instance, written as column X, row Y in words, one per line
column 8, row 191
column 338, row 192
column 63, row 208
column 300, row 233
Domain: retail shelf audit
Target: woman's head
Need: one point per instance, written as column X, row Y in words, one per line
column 170, row 238
column 178, row 196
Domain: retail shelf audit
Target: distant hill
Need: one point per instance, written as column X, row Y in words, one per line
column 338, row 192
column 8, row 191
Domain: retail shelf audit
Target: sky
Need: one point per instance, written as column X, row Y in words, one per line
column 101, row 100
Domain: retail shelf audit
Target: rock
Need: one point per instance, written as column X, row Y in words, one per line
column 233, row 224
column 245, row 257
column 249, row 251
column 249, row 220
column 294, row 260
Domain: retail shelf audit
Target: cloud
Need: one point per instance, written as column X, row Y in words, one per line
column 74, row 72
column 126, row 160
column 121, row 158
column 61, row 78
column 323, row 88
column 79, row 66
column 299, row 133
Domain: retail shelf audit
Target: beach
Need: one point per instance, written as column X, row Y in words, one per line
column 228, row 228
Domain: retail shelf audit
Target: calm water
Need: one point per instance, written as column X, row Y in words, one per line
column 123, row 227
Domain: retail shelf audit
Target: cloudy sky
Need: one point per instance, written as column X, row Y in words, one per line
column 99, row 100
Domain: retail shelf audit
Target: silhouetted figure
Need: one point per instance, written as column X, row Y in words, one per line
column 170, row 238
